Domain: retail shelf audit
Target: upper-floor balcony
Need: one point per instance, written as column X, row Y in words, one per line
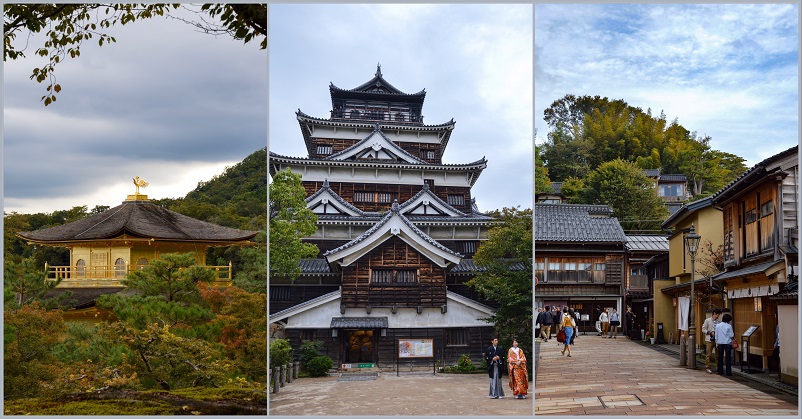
column 112, row 275
column 376, row 116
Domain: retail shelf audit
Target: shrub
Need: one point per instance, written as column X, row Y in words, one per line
column 310, row 349
column 465, row 364
column 319, row 366
column 280, row 353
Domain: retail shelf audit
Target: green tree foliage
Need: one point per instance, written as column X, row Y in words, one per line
column 310, row 349
column 173, row 276
column 572, row 189
column 587, row 131
column 29, row 334
column 623, row 186
column 252, row 275
column 280, row 353
column 170, row 361
column 290, row 220
column 542, row 180
column 506, row 274
column 68, row 26
column 27, row 281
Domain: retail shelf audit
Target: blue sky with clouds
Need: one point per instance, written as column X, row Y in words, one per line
column 728, row 71
column 166, row 103
column 475, row 62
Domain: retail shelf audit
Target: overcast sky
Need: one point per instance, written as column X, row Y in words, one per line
column 165, row 103
column 727, row 71
column 475, row 62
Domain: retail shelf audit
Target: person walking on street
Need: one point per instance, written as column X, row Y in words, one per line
column 724, row 335
column 494, row 355
column 604, row 319
column 615, row 323
column 546, row 321
column 629, row 316
column 558, row 320
column 569, row 326
column 519, row 377
column 709, row 330
column 537, row 321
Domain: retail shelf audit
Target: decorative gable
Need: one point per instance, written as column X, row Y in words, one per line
column 426, row 202
column 376, row 146
column 393, row 224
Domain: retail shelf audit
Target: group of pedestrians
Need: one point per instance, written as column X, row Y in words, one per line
column 610, row 322
column 718, row 343
column 514, row 361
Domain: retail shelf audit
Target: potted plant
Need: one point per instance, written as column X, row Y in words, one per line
column 650, row 334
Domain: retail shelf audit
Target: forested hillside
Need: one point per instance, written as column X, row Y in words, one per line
column 599, row 148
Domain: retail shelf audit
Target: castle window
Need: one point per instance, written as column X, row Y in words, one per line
column 393, row 276
column 456, row 199
column 363, row 196
column 325, row 149
column 384, row 198
column 468, row 247
column 428, row 154
column 765, row 209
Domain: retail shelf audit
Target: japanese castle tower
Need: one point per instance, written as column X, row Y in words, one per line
column 397, row 230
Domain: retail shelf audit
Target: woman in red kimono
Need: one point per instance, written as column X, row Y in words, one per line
column 519, row 379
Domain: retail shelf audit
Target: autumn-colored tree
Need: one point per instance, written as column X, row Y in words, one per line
column 29, row 334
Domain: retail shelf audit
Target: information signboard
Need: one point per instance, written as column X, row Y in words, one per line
column 416, row 348
column 751, row 330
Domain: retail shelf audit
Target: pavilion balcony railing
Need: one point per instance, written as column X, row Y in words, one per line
column 400, row 118
column 112, row 276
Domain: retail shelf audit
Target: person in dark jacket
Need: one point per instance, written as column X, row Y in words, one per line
column 546, row 320
column 495, row 357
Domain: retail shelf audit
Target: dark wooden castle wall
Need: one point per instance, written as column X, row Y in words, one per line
column 285, row 296
column 400, row 192
column 358, row 291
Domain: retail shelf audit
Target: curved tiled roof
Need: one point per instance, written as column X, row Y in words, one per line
column 477, row 165
column 139, row 218
column 300, row 115
column 647, row 242
column 686, row 209
column 326, row 189
column 577, row 223
column 426, row 191
column 377, row 81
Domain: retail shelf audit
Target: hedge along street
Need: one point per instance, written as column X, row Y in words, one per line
column 388, row 395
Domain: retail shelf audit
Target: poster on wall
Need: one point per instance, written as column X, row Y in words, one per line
column 416, row 348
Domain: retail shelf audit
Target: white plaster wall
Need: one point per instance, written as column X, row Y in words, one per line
column 458, row 315
column 395, row 135
column 789, row 339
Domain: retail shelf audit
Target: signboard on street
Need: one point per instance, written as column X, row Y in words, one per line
column 416, row 348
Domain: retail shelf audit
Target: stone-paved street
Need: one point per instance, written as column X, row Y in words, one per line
column 388, row 395
column 624, row 377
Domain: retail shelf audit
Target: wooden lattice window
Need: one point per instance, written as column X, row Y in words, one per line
column 325, row 149
column 456, row 337
column 363, row 196
column 119, row 267
column 382, row 276
column 394, row 276
column 384, row 198
column 468, row 247
column 279, row 293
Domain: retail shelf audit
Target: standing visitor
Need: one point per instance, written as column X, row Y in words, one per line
column 709, row 330
column 519, row 378
column 494, row 355
column 537, row 321
column 724, row 335
column 615, row 323
column 629, row 316
column 568, row 326
column 604, row 319
column 546, row 320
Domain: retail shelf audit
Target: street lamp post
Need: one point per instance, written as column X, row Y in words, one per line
column 692, row 243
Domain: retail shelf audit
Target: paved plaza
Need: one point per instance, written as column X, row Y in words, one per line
column 388, row 395
column 623, row 377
